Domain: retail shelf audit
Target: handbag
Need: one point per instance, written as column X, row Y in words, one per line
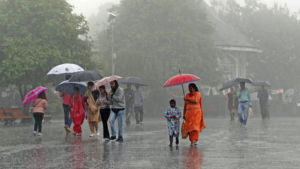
column 183, row 133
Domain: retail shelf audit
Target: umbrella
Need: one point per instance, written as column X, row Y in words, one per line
column 228, row 84
column 68, row 87
column 261, row 83
column 133, row 81
column 33, row 94
column 181, row 79
column 66, row 68
column 243, row 79
column 86, row 75
column 105, row 81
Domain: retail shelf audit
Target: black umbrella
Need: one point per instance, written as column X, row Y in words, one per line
column 243, row 79
column 85, row 76
column 228, row 84
column 133, row 81
column 261, row 83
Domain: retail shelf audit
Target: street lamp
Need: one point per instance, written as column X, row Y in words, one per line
column 110, row 19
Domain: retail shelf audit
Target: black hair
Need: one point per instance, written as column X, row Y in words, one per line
column 42, row 95
column 68, row 77
column 76, row 88
column 194, row 86
column 172, row 101
column 102, row 87
column 114, row 89
column 91, row 84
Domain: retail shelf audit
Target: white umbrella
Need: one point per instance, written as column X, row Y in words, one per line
column 66, row 68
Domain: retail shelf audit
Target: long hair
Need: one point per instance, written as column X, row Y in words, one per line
column 102, row 87
column 194, row 86
column 42, row 95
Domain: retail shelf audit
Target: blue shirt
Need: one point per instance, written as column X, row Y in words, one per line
column 244, row 96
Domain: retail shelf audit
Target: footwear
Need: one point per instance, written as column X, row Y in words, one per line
column 66, row 128
column 112, row 138
column 98, row 133
column 141, row 123
column 194, row 143
column 40, row 134
column 106, row 139
column 34, row 133
column 170, row 145
column 120, row 139
column 78, row 134
column 92, row 135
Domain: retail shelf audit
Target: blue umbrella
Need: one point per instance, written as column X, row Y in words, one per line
column 68, row 87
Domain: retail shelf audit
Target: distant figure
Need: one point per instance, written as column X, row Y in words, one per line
column 77, row 105
column 263, row 97
column 129, row 103
column 117, row 99
column 236, row 100
column 93, row 113
column 173, row 115
column 268, row 106
column 138, row 105
column 66, row 108
column 244, row 98
column 231, row 108
column 104, row 111
column 193, row 114
column 39, row 105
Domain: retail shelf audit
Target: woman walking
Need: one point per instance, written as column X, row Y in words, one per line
column 39, row 105
column 193, row 114
column 104, row 111
column 117, row 97
column 77, row 105
column 93, row 113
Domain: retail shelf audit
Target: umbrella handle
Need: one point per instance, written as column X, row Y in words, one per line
column 182, row 85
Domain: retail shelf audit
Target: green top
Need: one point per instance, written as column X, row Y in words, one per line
column 244, row 96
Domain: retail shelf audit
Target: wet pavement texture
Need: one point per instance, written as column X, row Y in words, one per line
column 223, row 144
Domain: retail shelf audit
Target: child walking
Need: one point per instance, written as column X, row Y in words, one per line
column 173, row 115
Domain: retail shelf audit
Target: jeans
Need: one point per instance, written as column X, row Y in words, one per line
column 119, row 116
column 139, row 111
column 38, row 117
column 105, row 116
column 243, row 112
column 68, row 118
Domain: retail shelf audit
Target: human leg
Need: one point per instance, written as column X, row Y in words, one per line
column 120, row 123
column 136, row 111
column 112, row 123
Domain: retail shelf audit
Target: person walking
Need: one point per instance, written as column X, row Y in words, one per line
column 104, row 111
column 263, row 97
column 230, row 97
column 173, row 115
column 77, row 105
column 93, row 113
column 193, row 114
column 117, row 99
column 138, row 105
column 39, row 105
column 244, row 99
column 129, row 103
column 66, row 107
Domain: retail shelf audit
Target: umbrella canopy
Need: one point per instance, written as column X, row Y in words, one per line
column 33, row 94
column 243, row 79
column 66, row 68
column 261, row 83
column 228, row 84
column 105, row 81
column 68, row 87
column 181, row 79
column 133, row 81
column 86, row 75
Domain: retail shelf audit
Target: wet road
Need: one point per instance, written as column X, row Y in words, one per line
column 269, row 144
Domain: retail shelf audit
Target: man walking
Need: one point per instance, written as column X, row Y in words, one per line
column 138, row 105
column 263, row 96
column 128, row 92
column 244, row 99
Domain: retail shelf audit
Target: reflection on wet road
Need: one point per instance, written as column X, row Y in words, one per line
column 224, row 144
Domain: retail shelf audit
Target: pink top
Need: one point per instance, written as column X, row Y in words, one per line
column 66, row 98
column 39, row 105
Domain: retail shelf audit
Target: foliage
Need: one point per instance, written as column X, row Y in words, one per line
column 154, row 39
column 36, row 35
column 276, row 31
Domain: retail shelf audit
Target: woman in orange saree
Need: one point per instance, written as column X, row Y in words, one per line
column 193, row 114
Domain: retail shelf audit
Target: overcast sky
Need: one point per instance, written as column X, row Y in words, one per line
column 88, row 7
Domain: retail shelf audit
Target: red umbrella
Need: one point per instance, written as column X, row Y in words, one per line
column 181, row 79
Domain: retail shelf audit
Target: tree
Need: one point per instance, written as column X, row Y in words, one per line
column 276, row 31
column 36, row 35
column 165, row 34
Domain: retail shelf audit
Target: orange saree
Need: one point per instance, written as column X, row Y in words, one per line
column 194, row 122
